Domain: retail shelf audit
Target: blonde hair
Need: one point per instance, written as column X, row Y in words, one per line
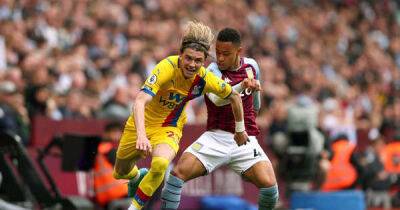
column 197, row 36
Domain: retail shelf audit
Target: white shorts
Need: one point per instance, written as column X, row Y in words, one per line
column 217, row 147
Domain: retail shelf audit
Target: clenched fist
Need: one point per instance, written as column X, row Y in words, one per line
column 251, row 84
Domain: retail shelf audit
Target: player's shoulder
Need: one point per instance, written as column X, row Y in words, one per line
column 203, row 72
column 167, row 66
column 213, row 68
column 251, row 61
column 170, row 62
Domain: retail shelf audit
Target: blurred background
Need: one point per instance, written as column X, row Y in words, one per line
column 330, row 114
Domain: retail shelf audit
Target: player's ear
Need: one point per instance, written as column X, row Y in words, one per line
column 239, row 50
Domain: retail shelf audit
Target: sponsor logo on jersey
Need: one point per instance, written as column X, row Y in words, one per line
column 173, row 100
column 249, row 72
column 196, row 90
column 227, row 80
column 176, row 96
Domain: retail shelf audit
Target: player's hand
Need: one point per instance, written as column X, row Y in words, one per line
column 143, row 144
column 251, row 84
column 241, row 138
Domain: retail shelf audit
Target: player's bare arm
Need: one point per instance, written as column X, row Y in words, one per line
column 237, row 108
column 251, row 84
column 142, row 143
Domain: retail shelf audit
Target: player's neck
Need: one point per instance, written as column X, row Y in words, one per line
column 237, row 64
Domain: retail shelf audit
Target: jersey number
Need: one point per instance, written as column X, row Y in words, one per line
column 257, row 153
column 245, row 92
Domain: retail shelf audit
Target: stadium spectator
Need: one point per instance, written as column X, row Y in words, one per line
column 375, row 180
column 342, row 173
column 217, row 146
column 118, row 107
column 73, row 108
column 277, row 137
column 156, row 129
column 13, row 114
column 107, row 189
column 391, row 118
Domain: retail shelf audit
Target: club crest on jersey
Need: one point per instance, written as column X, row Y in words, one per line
column 249, row 73
column 197, row 146
column 152, row 79
column 196, row 90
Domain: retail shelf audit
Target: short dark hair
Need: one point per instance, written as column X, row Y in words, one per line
column 229, row 35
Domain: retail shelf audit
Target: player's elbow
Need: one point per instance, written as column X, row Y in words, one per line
column 219, row 102
column 142, row 98
column 235, row 96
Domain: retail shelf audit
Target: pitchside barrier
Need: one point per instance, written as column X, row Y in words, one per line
column 342, row 200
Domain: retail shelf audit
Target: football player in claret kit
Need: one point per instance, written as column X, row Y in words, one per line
column 155, row 126
column 217, row 146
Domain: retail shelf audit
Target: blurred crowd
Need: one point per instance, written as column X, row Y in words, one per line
column 87, row 59
column 331, row 67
